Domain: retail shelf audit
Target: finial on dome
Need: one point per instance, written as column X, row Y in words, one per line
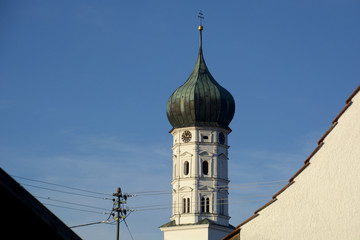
column 200, row 16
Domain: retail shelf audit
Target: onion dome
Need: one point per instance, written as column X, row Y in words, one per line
column 200, row 101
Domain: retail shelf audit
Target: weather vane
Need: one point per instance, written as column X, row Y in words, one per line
column 200, row 16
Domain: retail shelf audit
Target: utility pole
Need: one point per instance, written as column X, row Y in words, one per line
column 120, row 212
column 120, row 199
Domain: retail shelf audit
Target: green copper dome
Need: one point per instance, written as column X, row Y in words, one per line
column 200, row 101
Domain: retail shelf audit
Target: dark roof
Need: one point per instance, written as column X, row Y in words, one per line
column 200, row 101
column 24, row 217
column 306, row 164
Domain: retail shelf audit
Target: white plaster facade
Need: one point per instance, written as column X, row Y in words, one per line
column 323, row 201
column 203, row 146
column 199, row 194
column 196, row 232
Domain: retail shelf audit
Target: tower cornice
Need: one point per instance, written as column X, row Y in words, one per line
column 208, row 179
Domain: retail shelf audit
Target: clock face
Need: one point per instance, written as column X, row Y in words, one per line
column 221, row 138
column 186, row 136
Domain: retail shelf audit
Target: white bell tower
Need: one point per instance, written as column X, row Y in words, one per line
column 199, row 185
column 200, row 181
column 200, row 111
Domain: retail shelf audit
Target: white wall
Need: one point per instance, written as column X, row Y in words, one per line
column 196, row 184
column 195, row 232
column 324, row 201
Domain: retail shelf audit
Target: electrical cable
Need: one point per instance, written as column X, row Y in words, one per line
column 128, row 228
column 90, row 196
column 140, row 193
column 169, row 204
column 77, row 204
column 107, row 221
column 77, row 209
column 55, row 190
column 152, row 207
column 179, row 205
column 87, row 224
column 60, row 185
column 144, row 193
column 142, row 207
column 242, row 186
column 226, row 187
column 254, row 183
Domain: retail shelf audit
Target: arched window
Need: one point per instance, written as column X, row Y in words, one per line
column 186, row 205
column 186, row 167
column 202, row 205
column 205, row 205
column 222, row 206
column 205, row 167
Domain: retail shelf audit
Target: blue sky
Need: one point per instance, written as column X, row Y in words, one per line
column 84, row 86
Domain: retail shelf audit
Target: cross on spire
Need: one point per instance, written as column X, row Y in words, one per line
column 200, row 16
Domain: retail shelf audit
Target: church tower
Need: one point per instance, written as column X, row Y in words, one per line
column 200, row 112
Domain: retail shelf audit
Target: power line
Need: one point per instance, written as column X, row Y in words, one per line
column 67, row 202
column 88, row 224
column 128, row 227
column 256, row 183
column 143, row 193
column 107, row 221
column 169, row 204
column 254, row 186
column 179, row 205
column 233, row 186
column 56, row 190
column 241, row 186
column 153, row 194
column 141, row 208
column 90, row 196
column 148, row 207
column 156, row 191
column 121, row 211
column 76, row 209
column 60, row 185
